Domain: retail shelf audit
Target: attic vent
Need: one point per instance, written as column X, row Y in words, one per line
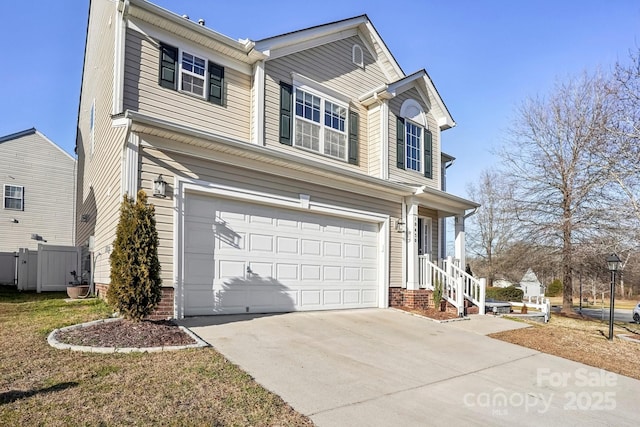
column 185, row 16
column 357, row 57
column 201, row 21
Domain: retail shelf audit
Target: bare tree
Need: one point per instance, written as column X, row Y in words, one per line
column 490, row 229
column 558, row 183
column 622, row 153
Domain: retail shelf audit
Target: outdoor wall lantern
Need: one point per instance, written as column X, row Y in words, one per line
column 613, row 261
column 159, row 187
column 400, row 226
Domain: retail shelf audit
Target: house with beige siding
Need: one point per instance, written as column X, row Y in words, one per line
column 303, row 171
column 38, row 192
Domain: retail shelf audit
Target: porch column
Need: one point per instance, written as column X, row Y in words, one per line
column 459, row 249
column 413, row 281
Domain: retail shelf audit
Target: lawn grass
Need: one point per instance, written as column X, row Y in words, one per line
column 40, row 385
column 582, row 340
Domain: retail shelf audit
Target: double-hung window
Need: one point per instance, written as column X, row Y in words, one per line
column 317, row 118
column 14, row 197
column 190, row 73
column 414, row 144
column 193, row 74
column 320, row 124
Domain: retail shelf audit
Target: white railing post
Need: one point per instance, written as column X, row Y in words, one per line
column 460, row 295
column 482, row 296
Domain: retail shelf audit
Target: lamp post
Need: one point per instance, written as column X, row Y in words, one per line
column 613, row 261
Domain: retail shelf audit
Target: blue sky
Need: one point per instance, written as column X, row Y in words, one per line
column 484, row 57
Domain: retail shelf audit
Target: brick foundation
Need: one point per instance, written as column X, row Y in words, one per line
column 164, row 310
column 422, row 298
column 419, row 298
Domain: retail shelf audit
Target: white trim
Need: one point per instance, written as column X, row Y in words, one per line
column 354, row 52
column 258, row 103
column 120, row 28
column 412, row 110
column 159, row 35
column 182, row 72
column 288, row 44
column 323, row 128
column 384, row 140
column 92, row 128
column 130, row 156
column 4, row 197
column 184, row 185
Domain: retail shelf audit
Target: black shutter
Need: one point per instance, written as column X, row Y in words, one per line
column 400, row 151
column 286, row 106
column 353, row 137
column 168, row 66
column 428, row 154
column 216, row 83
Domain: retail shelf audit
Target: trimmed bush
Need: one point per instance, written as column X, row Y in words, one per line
column 554, row 289
column 135, row 288
column 510, row 293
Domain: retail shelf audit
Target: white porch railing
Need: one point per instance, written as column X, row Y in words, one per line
column 539, row 303
column 457, row 285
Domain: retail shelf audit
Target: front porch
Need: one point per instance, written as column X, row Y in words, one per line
column 423, row 212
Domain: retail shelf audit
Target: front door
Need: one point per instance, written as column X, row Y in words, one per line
column 424, row 236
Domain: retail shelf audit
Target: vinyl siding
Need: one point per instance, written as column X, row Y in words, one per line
column 401, row 175
column 99, row 175
column 47, row 176
column 143, row 93
column 331, row 66
column 169, row 164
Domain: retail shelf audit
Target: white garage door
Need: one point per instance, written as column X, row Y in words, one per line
column 246, row 258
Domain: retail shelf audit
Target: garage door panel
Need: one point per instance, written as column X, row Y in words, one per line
column 261, row 243
column 369, row 275
column 310, row 272
column 310, row 298
column 287, row 271
column 332, row 297
column 230, row 269
column 269, row 259
column 333, row 249
column 369, row 252
column 262, row 269
column 351, row 251
column 369, row 296
column 287, row 245
column 310, row 247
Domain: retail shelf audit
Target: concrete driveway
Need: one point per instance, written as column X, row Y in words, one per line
column 377, row 367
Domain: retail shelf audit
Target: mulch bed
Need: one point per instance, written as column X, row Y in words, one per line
column 125, row 333
column 431, row 313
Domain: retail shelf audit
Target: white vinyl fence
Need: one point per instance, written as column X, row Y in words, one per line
column 55, row 264
column 7, row 268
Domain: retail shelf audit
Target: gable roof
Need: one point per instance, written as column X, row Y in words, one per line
column 248, row 51
column 32, row 131
column 422, row 80
column 296, row 41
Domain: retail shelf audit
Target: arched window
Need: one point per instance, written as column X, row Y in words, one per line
column 357, row 56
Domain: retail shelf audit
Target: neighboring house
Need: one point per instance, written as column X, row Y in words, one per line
column 38, row 192
column 530, row 285
column 501, row 283
column 304, row 171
